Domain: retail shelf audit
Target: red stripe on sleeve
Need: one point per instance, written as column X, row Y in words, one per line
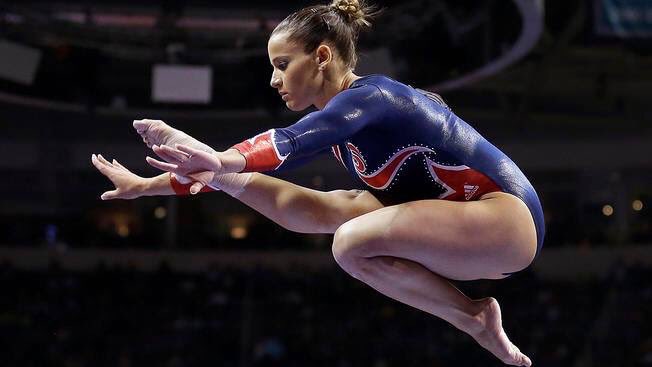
column 260, row 153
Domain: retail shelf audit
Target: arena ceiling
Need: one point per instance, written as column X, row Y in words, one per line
column 451, row 37
column 100, row 50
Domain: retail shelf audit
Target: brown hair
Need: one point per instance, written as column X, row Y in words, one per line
column 340, row 23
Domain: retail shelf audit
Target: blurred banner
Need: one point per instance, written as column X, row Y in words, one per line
column 18, row 63
column 182, row 84
column 623, row 18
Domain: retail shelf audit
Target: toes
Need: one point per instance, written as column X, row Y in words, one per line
column 140, row 126
column 144, row 125
column 521, row 359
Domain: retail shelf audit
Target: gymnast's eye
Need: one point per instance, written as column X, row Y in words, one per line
column 282, row 65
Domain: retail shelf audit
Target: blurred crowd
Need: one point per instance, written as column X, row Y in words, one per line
column 216, row 221
column 623, row 337
column 118, row 316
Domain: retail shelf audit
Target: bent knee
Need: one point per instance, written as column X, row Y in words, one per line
column 352, row 245
column 343, row 244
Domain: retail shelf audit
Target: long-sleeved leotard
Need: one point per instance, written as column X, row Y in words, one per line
column 400, row 143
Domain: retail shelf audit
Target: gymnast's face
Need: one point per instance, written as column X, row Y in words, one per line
column 296, row 74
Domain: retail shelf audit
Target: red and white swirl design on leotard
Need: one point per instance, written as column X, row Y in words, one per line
column 383, row 176
column 338, row 154
column 460, row 183
column 356, row 157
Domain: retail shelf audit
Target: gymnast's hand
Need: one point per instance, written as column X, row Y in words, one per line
column 127, row 184
column 185, row 160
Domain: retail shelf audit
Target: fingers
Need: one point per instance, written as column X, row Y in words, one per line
column 170, row 155
column 164, row 166
column 168, row 149
column 188, row 150
column 96, row 163
column 165, row 156
column 198, row 178
column 203, row 159
column 100, row 162
column 120, row 166
column 103, row 165
column 100, row 165
column 201, row 180
column 117, row 164
column 196, row 187
column 110, row 195
column 99, row 156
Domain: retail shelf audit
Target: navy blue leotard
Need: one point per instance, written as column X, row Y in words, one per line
column 401, row 144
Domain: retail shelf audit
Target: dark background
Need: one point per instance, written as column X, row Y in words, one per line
column 200, row 281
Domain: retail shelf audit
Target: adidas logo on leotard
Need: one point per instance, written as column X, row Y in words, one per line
column 469, row 191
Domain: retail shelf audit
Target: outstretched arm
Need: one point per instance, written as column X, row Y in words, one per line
column 347, row 113
column 128, row 185
column 293, row 207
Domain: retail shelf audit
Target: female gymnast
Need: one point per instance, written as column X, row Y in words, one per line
column 440, row 203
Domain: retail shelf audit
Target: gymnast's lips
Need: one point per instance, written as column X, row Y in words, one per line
column 284, row 95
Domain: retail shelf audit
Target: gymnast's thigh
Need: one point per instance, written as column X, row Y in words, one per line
column 458, row 240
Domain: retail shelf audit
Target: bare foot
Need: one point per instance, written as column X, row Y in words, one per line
column 492, row 336
column 157, row 132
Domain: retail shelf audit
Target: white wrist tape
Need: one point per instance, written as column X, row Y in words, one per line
column 231, row 183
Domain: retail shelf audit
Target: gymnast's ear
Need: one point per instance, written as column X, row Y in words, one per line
column 323, row 56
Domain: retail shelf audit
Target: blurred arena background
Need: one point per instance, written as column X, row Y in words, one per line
column 562, row 87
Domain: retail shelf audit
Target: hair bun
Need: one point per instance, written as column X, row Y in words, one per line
column 352, row 11
column 347, row 6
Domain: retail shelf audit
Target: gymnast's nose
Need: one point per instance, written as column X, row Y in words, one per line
column 276, row 81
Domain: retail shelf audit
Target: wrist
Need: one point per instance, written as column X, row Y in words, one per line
column 154, row 186
column 232, row 160
column 231, row 183
column 144, row 187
